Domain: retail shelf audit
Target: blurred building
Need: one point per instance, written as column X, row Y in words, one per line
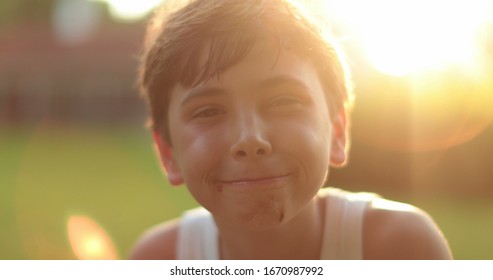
column 69, row 65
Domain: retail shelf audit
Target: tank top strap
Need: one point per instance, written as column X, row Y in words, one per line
column 197, row 236
column 343, row 228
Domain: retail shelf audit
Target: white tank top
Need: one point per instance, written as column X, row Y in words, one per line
column 342, row 238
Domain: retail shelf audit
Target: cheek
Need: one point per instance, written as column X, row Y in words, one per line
column 309, row 133
column 317, row 159
column 310, row 143
column 199, row 152
column 316, row 149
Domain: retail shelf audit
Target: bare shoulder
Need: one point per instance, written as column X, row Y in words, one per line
column 394, row 230
column 157, row 243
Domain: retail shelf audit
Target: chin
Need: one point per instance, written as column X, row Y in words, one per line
column 256, row 220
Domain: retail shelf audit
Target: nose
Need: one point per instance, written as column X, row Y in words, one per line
column 251, row 141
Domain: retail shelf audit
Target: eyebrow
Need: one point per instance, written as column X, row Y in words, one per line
column 281, row 80
column 202, row 91
column 207, row 91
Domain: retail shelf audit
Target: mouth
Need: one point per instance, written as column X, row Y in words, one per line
column 254, row 182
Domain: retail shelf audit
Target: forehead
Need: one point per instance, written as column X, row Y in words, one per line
column 265, row 61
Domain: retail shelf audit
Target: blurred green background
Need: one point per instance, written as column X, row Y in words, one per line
column 73, row 141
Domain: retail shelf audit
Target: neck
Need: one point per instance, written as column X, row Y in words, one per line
column 298, row 238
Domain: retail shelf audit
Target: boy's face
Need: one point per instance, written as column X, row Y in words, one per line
column 254, row 145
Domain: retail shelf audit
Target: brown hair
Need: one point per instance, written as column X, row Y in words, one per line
column 180, row 32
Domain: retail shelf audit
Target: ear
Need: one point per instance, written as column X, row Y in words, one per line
column 172, row 169
column 340, row 143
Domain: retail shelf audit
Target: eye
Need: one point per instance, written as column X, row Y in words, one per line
column 208, row 112
column 286, row 101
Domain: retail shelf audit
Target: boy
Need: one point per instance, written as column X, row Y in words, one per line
column 249, row 103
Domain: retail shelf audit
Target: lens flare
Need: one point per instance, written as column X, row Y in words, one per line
column 89, row 241
column 400, row 38
column 436, row 63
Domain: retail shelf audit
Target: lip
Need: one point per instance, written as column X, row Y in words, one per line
column 257, row 182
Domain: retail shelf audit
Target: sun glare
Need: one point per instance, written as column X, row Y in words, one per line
column 411, row 36
column 440, row 49
column 88, row 240
column 130, row 10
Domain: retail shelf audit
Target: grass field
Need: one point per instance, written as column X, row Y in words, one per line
column 50, row 173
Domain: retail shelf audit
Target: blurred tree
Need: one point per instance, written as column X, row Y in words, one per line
column 36, row 11
column 9, row 10
column 16, row 11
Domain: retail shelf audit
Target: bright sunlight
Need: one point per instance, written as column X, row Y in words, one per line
column 440, row 52
column 130, row 10
column 405, row 37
